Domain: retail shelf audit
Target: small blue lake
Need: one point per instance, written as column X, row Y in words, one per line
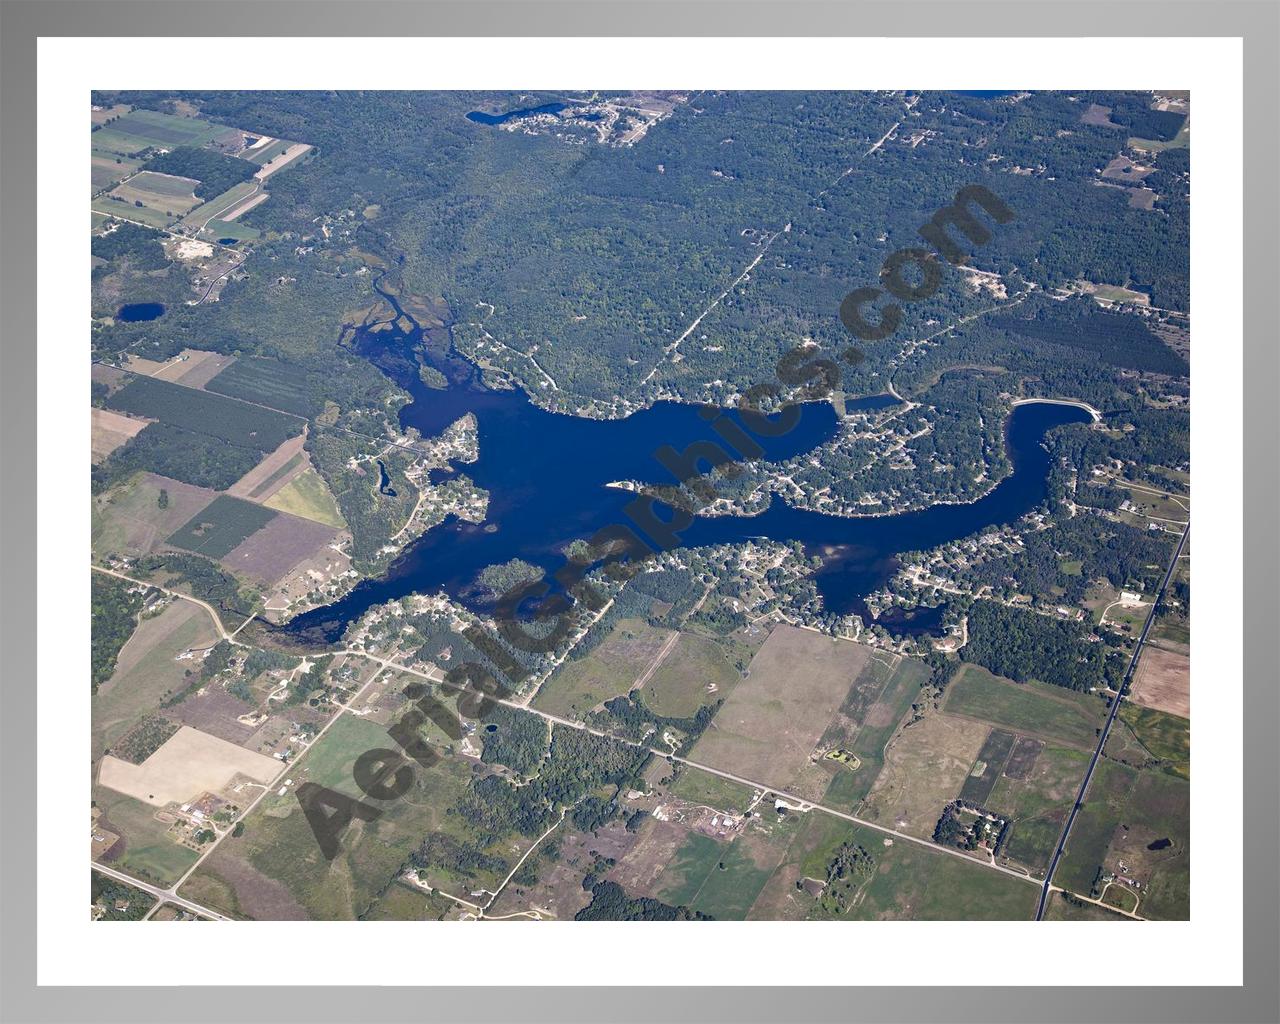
column 137, row 312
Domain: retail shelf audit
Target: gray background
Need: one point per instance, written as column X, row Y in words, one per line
column 1257, row 22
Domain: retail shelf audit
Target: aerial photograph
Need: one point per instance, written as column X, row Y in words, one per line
column 656, row 505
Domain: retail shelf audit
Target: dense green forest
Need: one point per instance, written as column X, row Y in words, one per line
column 215, row 171
column 1021, row 645
column 115, row 607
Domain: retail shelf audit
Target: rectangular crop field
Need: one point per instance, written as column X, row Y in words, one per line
column 219, row 205
column 308, row 496
column 188, row 764
column 136, row 516
column 1163, row 681
column 115, row 206
column 146, row 129
column 236, row 422
column 771, row 723
column 925, row 767
column 1035, row 794
column 222, row 526
column 988, row 767
column 271, row 382
column 1050, row 712
column 108, row 168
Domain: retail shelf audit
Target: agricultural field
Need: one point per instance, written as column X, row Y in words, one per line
column 141, row 130
column 191, row 367
column 925, row 767
column 206, row 213
column 269, row 382
column 1051, row 713
column 773, row 720
column 117, row 206
column 875, row 706
column 189, row 763
column 111, row 430
column 610, row 670
column 722, row 880
column 269, row 554
column 1035, row 794
column 138, row 514
column 203, row 412
column 273, row 472
column 989, row 766
column 165, row 194
column 308, row 496
column 1163, row 681
column 221, row 526
column 1063, row 907
column 699, row 787
column 109, row 168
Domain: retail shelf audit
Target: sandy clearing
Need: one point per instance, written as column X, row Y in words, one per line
column 194, row 368
column 112, row 429
column 192, row 249
column 1163, row 681
column 245, row 207
column 189, row 763
column 284, row 159
column 245, row 486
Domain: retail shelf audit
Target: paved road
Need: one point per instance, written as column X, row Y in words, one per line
column 1106, row 728
column 163, row 895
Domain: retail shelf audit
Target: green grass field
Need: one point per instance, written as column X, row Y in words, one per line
column 688, row 869
column 1037, row 806
column 1050, row 712
column 219, row 528
column 308, row 496
column 219, row 204
column 148, row 853
column 1061, row 908
column 278, row 843
column 701, row 787
column 1162, row 736
column 127, row 211
column 1128, row 810
column 150, row 671
column 610, row 670
column 144, row 129
column 681, row 684
column 232, row 229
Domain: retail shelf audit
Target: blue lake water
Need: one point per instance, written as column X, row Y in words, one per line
column 546, row 475
column 480, row 117
column 138, row 311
